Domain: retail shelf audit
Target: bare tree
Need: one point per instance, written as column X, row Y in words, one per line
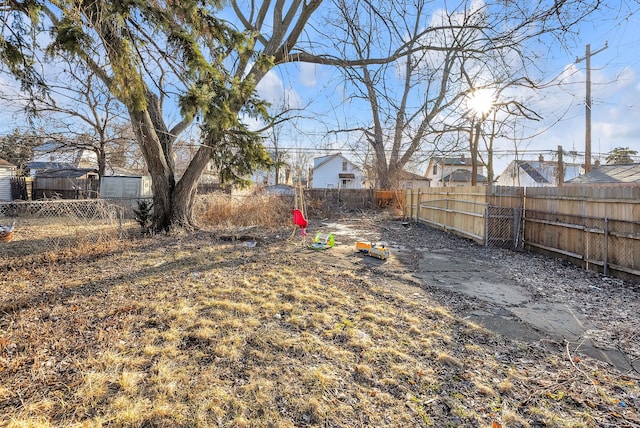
column 418, row 103
column 80, row 113
column 17, row 148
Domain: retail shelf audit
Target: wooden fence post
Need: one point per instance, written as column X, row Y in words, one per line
column 605, row 261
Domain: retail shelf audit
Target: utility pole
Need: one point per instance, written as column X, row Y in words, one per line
column 587, row 134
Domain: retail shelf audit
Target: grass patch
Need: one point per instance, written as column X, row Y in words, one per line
column 189, row 332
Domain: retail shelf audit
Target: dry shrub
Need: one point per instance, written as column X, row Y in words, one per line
column 222, row 210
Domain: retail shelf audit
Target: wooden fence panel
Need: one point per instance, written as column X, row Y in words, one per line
column 458, row 209
column 595, row 227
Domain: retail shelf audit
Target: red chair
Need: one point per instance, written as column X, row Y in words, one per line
column 300, row 221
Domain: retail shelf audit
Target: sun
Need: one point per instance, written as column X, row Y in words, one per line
column 480, row 102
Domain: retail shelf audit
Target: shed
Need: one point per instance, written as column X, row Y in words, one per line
column 77, row 183
column 126, row 187
column 7, row 172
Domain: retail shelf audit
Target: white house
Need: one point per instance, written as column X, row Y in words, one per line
column 453, row 171
column 335, row 172
column 7, row 172
column 540, row 173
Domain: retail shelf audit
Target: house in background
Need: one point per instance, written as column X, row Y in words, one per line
column 335, row 172
column 274, row 176
column 609, row 175
column 409, row 180
column 7, row 172
column 54, row 156
column 540, row 173
column 453, row 171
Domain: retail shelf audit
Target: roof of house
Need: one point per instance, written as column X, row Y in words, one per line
column 617, row 173
column 462, row 176
column 48, row 146
column 406, row 175
column 69, row 173
column 457, row 160
column 319, row 161
column 544, row 171
column 533, row 171
column 55, row 166
column 6, row 164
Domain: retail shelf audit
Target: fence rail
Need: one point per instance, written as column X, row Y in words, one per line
column 489, row 216
column 592, row 227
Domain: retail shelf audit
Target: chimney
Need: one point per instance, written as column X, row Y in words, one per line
column 540, row 158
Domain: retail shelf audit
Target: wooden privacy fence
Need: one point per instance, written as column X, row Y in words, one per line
column 488, row 215
column 594, row 227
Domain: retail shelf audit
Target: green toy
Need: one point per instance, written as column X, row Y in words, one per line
column 322, row 241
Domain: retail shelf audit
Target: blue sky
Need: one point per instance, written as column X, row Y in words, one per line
column 615, row 97
column 615, row 92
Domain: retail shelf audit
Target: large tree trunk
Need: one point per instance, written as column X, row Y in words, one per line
column 172, row 202
column 184, row 194
column 163, row 181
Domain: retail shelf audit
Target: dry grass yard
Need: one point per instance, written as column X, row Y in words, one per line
column 191, row 330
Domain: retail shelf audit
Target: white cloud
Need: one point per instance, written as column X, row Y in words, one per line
column 271, row 89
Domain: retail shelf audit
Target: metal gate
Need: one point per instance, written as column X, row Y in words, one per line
column 503, row 227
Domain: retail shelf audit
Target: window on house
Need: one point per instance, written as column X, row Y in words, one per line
column 344, row 184
column 344, row 165
column 435, row 170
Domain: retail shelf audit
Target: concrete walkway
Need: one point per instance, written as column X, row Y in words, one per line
column 510, row 310
column 504, row 306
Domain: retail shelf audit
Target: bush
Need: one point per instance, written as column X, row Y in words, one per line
column 219, row 209
column 144, row 215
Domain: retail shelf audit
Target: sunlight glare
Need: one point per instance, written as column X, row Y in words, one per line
column 480, row 102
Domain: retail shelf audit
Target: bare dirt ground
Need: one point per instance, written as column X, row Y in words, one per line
column 604, row 307
column 200, row 330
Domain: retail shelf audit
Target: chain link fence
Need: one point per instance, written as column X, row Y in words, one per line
column 57, row 225
column 503, row 227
